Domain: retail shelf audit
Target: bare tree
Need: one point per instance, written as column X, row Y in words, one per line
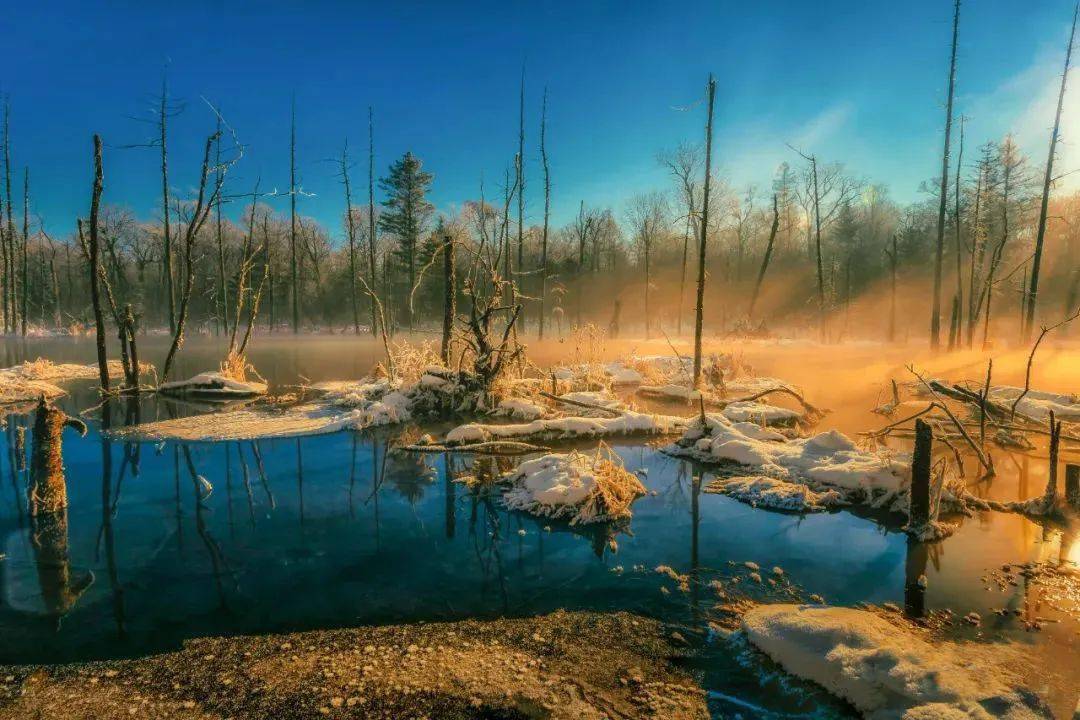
column 371, row 244
column 351, row 232
column 768, row 255
column 647, row 214
column 683, row 163
column 699, row 308
column 13, row 289
column 935, row 314
column 293, row 256
column 24, row 311
column 547, row 214
column 164, row 112
column 94, row 267
column 1033, row 287
column 199, row 214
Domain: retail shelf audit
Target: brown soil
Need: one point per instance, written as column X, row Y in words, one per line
column 563, row 665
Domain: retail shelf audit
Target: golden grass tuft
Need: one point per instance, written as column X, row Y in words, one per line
column 616, row 490
column 236, row 367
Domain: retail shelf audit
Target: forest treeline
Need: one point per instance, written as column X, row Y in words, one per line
column 820, row 244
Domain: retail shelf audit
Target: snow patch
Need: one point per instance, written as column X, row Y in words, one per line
column 888, row 671
column 213, row 384
column 628, row 423
column 767, row 492
column 827, row 460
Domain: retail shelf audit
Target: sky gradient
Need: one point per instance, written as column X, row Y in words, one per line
column 858, row 82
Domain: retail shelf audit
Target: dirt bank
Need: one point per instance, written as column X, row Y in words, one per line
column 563, row 665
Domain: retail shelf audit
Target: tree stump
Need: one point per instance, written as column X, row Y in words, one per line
column 920, row 475
column 1072, row 486
column 48, row 489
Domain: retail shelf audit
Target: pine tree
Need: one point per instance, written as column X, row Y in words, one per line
column 407, row 213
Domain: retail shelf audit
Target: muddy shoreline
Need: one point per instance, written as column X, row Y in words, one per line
column 562, row 665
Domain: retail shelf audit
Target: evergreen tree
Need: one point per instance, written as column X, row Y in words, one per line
column 407, row 214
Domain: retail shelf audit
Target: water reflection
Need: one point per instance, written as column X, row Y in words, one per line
column 342, row 530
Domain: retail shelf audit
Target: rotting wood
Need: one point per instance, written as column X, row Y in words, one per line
column 1072, row 486
column 48, row 489
column 919, row 513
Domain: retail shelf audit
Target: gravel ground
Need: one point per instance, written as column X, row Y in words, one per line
column 564, row 665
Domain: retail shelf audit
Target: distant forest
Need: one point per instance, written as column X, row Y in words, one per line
column 822, row 242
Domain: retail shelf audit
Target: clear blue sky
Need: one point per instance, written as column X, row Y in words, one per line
column 858, row 82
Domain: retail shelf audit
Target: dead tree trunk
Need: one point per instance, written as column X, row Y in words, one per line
column 768, row 255
column 935, row 315
column 198, row 218
column 892, row 255
column 1055, row 443
column 1072, row 486
column 699, row 308
column 919, row 513
column 521, row 178
column 223, row 303
column 371, row 215
column 93, row 253
column 351, row 231
column 25, row 310
column 1033, row 287
column 292, row 222
column 48, row 490
column 449, row 297
column 170, row 291
column 957, row 321
column 13, row 284
column 547, row 213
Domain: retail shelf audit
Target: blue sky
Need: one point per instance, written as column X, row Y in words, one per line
column 857, row 82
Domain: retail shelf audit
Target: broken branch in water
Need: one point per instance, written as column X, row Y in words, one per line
column 784, row 390
column 491, row 447
column 579, row 403
column 984, row 460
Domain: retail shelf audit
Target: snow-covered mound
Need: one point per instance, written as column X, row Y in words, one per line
column 775, row 494
column 519, row 408
column 1038, row 404
column 213, row 385
column 574, row 486
column 827, row 460
column 888, row 671
column 628, row 423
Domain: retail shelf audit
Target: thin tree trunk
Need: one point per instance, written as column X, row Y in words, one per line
column 817, row 246
column 95, row 268
column 521, row 177
column 978, row 249
column 547, row 213
column 958, row 301
column 292, row 222
column 25, row 251
column 935, row 314
column 371, row 214
column 13, row 285
column 768, row 255
column 893, row 260
column 170, row 290
column 449, row 297
column 1033, row 287
column 699, row 308
column 223, row 303
column 351, row 230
